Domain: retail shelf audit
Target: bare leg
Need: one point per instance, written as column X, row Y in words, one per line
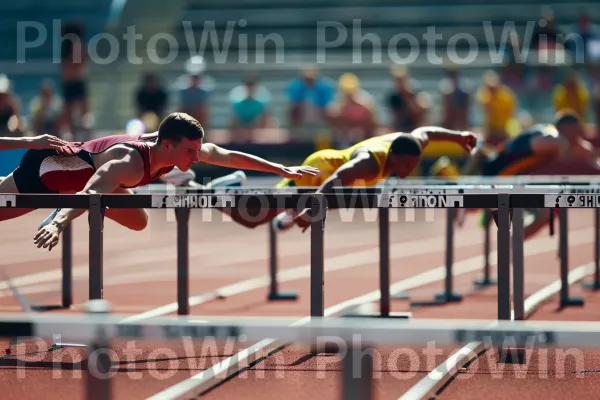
column 7, row 185
column 133, row 218
column 241, row 217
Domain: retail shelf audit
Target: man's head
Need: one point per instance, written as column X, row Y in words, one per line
column 180, row 140
column 568, row 124
column 404, row 156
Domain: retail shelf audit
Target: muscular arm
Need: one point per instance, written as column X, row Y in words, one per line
column 213, row 154
column 437, row 134
column 362, row 166
column 126, row 171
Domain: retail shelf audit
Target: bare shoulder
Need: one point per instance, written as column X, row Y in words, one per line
column 125, row 164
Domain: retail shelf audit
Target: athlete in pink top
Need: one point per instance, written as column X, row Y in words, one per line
column 115, row 164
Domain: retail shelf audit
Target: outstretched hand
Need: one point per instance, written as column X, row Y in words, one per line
column 298, row 172
column 45, row 142
column 47, row 236
column 468, row 141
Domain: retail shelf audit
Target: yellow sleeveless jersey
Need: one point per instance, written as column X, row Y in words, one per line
column 328, row 161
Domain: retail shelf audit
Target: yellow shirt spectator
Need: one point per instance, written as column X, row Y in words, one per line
column 576, row 99
column 499, row 104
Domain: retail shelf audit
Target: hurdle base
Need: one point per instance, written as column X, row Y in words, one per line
column 593, row 285
column 512, row 356
column 572, row 301
column 439, row 299
column 392, row 315
column 485, row 282
column 282, row 296
column 400, row 296
column 49, row 307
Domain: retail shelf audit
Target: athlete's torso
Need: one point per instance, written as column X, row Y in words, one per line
column 518, row 152
column 378, row 146
column 98, row 152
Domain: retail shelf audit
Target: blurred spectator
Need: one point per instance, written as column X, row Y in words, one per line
column 11, row 123
column 194, row 89
column 74, row 80
column 407, row 104
column 353, row 112
column 309, row 96
column 151, row 97
column 456, row 100
column 249, row 103
column 546, row 34
column 588, row 32
column 514, row 68
column 45, row 110
column 499, row 105
column 571, row 94
column 193, row 100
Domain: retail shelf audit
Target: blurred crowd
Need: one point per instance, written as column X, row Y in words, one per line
column 340, row 106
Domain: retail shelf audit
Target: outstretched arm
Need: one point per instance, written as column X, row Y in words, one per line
column 213, row 154
column 362, row 166
column 126, row 171
column 35, row 142
column 425, row 134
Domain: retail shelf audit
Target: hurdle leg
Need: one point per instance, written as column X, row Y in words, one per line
column 96, row 244
column 563, row 237
column 385, row 265
column 503, row 252
column 595, row 284
column 448, row 295
column 274, row 293
column 67, row 267
column 357, row 373
column 385, row 308
column 317, row 257
column 487, row 280
column 97, row 368
column 182, row 215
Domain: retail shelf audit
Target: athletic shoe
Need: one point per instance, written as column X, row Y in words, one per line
column 283, row 221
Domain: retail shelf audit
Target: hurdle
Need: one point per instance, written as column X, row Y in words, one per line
column 413, row 188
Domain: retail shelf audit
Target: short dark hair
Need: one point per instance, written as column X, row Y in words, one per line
column 566, row 117
column 406, row 145
column 180, row 125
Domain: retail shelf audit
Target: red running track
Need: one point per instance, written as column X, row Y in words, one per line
column 140, row 276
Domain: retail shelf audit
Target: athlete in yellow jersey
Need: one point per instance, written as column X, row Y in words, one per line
column 364, row 164
column 533, row 148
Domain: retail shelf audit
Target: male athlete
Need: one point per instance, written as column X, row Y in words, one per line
column 115, row 164
column 533, row 148
column 364, row 164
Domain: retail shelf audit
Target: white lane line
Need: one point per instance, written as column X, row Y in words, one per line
column 436, row 379
column 210, row 377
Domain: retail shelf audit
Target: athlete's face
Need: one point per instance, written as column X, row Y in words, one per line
column 403, row 166
column 186, row 153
